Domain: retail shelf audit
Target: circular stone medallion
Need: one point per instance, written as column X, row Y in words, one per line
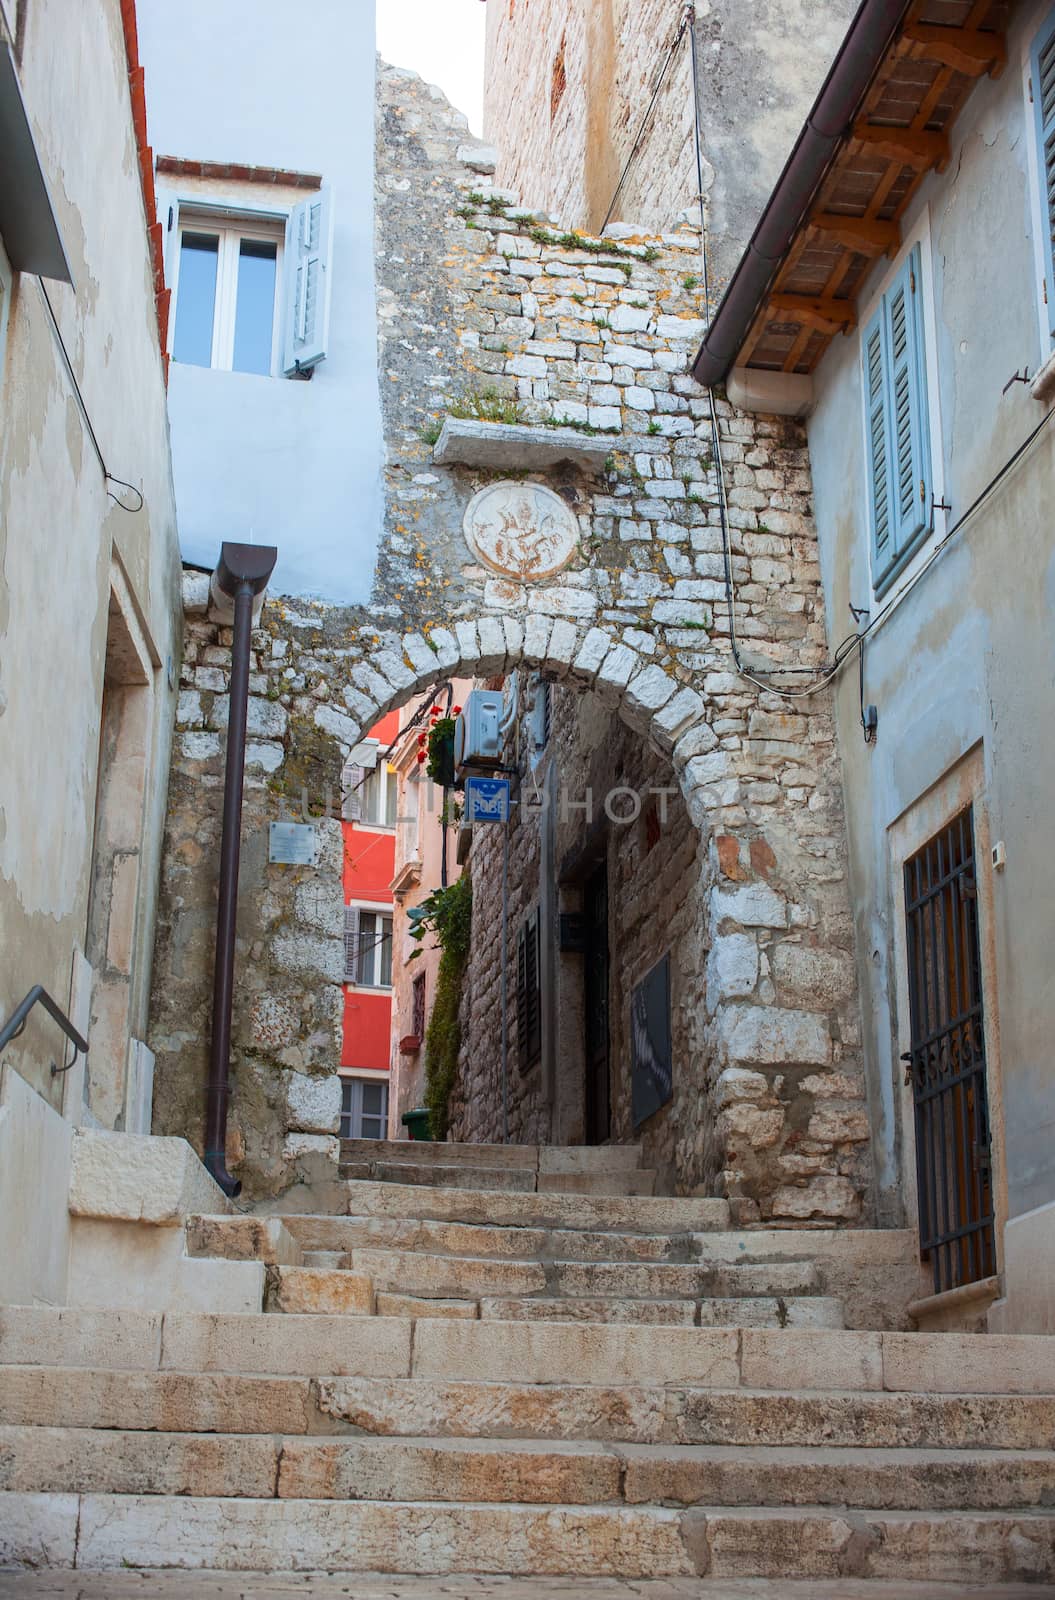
column 522, row 530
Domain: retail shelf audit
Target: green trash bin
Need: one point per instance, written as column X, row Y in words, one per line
column 417, row 1124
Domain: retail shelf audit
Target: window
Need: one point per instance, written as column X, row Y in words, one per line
column 417, row 1026
column 364, row 1108
column 367, row 948
column 529, row 998
column 900, row 491
column 251, row 290
column 1042, row 90
column 227, row 296
column 945, row 1064
column 371, row 795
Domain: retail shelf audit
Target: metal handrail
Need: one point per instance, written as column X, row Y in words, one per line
column 17, row 1021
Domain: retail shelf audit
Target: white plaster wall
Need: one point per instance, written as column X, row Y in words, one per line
column 967, row 657
column 59, row 531
column 272, row 460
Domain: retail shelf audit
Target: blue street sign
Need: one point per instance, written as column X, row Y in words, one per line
column 487, row 799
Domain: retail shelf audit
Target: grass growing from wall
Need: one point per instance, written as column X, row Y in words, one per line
column 448, row 915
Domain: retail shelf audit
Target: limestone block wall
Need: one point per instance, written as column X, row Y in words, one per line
column 478, row 295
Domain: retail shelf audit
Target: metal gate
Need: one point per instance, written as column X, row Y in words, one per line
column 946, row 1062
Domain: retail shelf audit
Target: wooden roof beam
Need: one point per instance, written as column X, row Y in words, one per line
column 814, row 311
column 865, row 235
column 913, row 147
column 966, row 50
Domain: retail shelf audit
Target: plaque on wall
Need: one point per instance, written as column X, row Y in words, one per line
column 522, row 530
column 652, row 1072
column 292, row 844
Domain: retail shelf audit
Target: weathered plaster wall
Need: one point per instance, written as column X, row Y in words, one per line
column 272, row 460
column 62, row 538
column 964, row 662
column 475, row 296
column 760, row 67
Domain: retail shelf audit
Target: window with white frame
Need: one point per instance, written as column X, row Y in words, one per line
column 897, row 425
column 364, row 1108
column 367, row 947
column 371, row 795
column 251, row 289
column 227, row 302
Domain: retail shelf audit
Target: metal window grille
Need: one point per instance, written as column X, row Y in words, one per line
column 418, row 1027
column 946, row 1062
column 529, row 998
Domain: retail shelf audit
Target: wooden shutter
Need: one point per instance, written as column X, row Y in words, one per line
column 352, row 802
column 351, row 944
column 306, row 266
column 899, row 482
column 1042, row 82
column 908, row 409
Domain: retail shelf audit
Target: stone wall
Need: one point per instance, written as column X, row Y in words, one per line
column 480, row 301
column 759, row 69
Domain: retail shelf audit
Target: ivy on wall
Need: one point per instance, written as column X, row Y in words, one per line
column 447, row 915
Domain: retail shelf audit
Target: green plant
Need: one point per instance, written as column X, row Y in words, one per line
column 447, row 914
column 653, row 427
column 486, row 405
column 650, row 253
column 440, row 766
column 601, row 322
column 690, row 282
column 430, row 431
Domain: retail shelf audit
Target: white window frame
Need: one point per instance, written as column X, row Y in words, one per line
column 372, row 909
column 918, row 233
column 371, row 788
column 356, row 1080
column 231, row 228
column 7, row 283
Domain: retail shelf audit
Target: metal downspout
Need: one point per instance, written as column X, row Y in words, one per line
column 241, row 575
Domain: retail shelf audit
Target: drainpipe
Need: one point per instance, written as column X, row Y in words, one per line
column 241, row 576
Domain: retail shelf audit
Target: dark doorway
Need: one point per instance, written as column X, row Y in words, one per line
column 946, row 1063
column 595, row 1004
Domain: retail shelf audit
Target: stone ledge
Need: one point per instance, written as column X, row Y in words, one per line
column 128, row 1177
column 465, row 442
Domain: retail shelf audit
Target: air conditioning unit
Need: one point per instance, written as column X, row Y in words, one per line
column 478, row 733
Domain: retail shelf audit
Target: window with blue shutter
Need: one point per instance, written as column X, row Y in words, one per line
column 899, row 490
column 309, row 252
column 1042, row 87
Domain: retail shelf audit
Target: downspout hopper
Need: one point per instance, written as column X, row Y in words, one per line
column 241, row 576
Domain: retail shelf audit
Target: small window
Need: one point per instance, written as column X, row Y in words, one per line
column 1042, row 89
column 364, row 1108
column 368, row 959
column 227, row 303
column 897, row 424
column 379, row 796
column 529, row 996
column 417, row 1026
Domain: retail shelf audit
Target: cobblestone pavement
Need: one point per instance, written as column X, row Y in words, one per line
column 328, row 1586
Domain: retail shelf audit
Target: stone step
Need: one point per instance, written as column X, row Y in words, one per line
column 339, row 1235
column 816, row 1311
column 108, row 1532
column 313, row 1345
column 230, row 1403
column 544, row 1159
column 463, row 1277
column 649, row 1214
column 522, row 1180
column 319, row 1289
column 77, row 1460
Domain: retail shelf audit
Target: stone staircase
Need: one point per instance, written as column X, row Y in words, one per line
column 529, row 1381
column 522, row 1168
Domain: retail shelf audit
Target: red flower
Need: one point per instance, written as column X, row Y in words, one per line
column 421, row 755
column 456, row 710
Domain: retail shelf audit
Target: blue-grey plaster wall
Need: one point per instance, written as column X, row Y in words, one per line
column 967, row 658
column 272, row 460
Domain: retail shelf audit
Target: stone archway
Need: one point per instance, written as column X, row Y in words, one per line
column 776, row 1066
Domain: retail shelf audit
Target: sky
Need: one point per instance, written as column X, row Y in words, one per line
column 443, row 40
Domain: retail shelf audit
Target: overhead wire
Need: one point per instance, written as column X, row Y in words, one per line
column 108, row 476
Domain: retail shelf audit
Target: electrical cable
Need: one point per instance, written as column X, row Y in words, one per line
column 108, row 476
